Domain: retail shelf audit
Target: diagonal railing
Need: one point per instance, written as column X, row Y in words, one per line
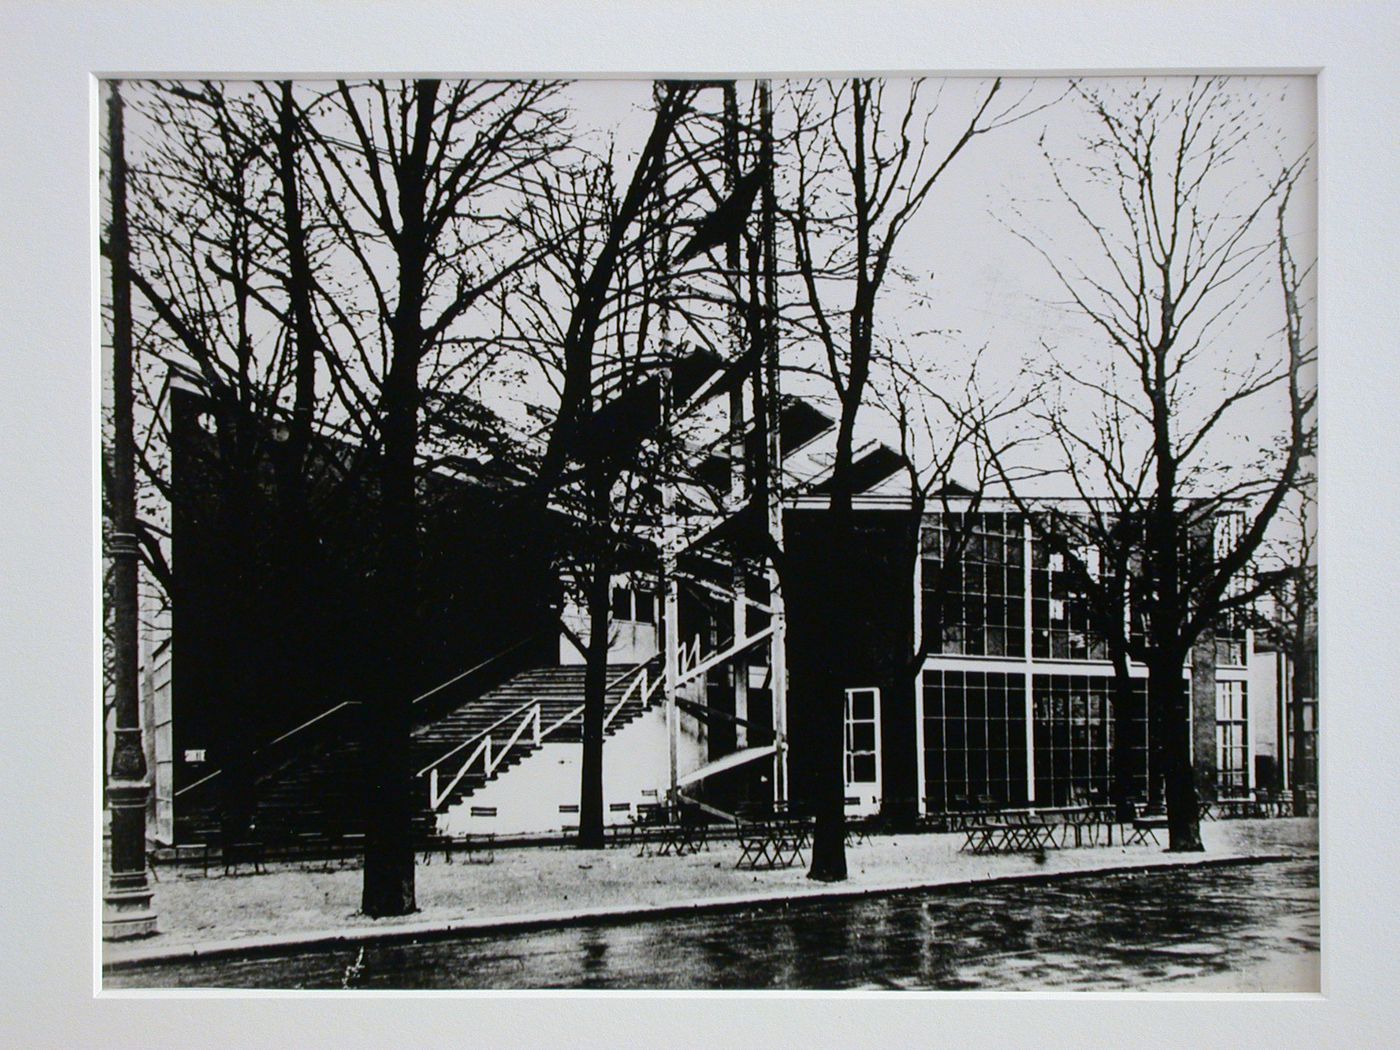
column 693, row 665
column 642, row 685
column 492, row 756
column 485, row 750
column 337, row 709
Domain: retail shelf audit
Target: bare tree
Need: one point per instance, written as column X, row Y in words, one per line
column 413, row 179
column 1168, row 511
column 863, row 166
column 587, row 316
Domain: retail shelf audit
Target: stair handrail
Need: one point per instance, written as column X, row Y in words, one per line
column 640, row 680
column 656, row 684
column 475, row 668
column 495, row 756
column 689, row 655
column 314, row 719
column 531, row 716
column 638, row 671
column 435, row 799
column 724, row 652
column 272, row 743
column 473, row 739
column 562, row 720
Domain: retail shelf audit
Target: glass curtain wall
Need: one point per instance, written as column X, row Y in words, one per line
column 974, row 738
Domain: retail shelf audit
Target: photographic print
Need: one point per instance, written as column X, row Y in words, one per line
column 787, row 534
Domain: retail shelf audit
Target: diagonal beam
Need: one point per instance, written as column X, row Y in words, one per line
column 706, row 713
column 724, row 655
column 724, row 592
column 713, row 811
column 720, row 765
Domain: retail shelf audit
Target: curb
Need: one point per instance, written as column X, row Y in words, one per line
column 253, row 947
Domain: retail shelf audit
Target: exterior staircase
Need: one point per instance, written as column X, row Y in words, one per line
column 318, row 788
column 450, row 756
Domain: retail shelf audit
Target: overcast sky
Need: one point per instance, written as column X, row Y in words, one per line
column 982, row 287
column 977, row 284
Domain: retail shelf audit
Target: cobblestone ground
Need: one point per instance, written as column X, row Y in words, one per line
column 287, row 900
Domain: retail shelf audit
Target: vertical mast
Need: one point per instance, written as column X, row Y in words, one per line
column 670, row 539
column 738, row 420
column 773, row 465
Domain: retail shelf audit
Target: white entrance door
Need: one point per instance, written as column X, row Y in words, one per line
column 862, row 751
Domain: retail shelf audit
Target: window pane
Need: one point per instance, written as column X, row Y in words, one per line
column 863, row 736
column 621, row 603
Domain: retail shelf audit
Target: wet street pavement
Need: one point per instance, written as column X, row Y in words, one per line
column 1251, row 927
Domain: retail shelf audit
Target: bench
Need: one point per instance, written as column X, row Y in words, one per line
column 249, row 851
column 619, row 826
column 648, row 826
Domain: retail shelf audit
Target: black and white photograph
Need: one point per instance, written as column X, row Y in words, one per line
column 802, row 533
column 593, row 523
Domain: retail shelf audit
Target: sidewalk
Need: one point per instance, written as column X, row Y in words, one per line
column 553, row 885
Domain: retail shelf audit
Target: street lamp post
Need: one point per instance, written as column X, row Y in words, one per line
column 127, row 900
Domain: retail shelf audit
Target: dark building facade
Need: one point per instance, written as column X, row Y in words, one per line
column 974, row 671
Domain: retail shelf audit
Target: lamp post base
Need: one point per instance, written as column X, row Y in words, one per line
column 127, row 901
column 127, row 914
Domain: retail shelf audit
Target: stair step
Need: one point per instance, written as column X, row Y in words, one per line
column 321, row 789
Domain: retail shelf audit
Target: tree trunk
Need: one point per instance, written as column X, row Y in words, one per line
column 306, row 338
column 1167, row 694
column 389, row 856
column 243, row 710
column 595, row 688
column 828, row 788
column 1125, row 730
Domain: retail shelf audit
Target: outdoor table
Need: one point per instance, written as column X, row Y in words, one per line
column 1070, row 820
column 1089, row 818
column 753, row 842
column 674, row 831
column 648, row 825
column 775, row 841
column 1014, row 831
column 200, row 851
column 980, row 838
column 1037, row 828
column 1030, row 829
column 673, row 839
column 685, row 833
